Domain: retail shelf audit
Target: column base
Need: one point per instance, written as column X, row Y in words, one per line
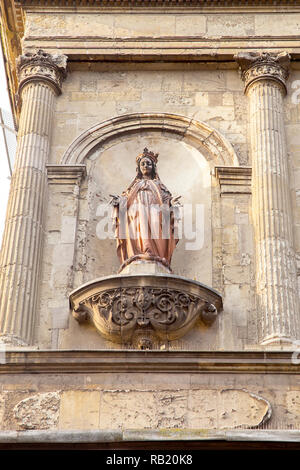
column 284, row 342
column 12, row 340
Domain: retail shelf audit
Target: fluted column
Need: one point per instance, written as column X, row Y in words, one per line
column 40, row 78
column 265, row 76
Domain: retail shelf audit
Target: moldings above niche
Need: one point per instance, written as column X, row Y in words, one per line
column 65, row 174
column 213, row 145
column 234, row 180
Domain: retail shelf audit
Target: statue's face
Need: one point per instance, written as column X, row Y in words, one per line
column 146, row 166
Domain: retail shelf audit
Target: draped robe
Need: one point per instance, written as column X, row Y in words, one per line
column 145, row 223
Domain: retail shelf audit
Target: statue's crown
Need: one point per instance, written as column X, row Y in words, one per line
column 147, row 153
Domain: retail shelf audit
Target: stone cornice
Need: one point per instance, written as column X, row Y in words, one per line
column 158, row 3
column 42, row 67
column 65, row 174
column 188, row 439
column 12, row 30
column 12, row 22
column 234, row 180
column 132, row 361
column 214, row 52
column 257, row 66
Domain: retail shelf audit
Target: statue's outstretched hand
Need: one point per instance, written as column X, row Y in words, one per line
column 115, row 200
column 175, row 201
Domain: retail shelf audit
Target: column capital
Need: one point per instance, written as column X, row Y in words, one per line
column 257, row 66
column 42, row 67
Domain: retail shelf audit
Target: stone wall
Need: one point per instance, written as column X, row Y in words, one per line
column 106, row 91
column 169, row 80
column 92, row 408
column 98, row 390
column 214, row 29
column 208, row 90
column 292, row 120
column 225, row 261
column 214, row 96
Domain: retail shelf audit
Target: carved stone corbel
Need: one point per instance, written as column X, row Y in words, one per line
column 145, row 309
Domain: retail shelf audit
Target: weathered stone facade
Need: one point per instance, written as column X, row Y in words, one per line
column 214, row 90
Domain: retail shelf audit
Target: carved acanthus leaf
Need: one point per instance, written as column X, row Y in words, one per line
column 41, row 66
column 264, row 65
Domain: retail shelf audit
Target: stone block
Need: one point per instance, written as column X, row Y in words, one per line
column 229, row 408
column 141, row 80
column 296, row 178
column 71, row 83
column 68, row 229
column 228, row 99
column 184, row 99
column 215, row 113
column 139, row 25
column 2, row 406
column 227, row 208
column 71, row 24
column 106, row 81
column 241, row 218
column 230, row 235
column 38, row 24
column 128, row 409
column 230, row 25
column 245, row 233
column 63, row 255
column 86, row 96
column 60, row 316
column 54, row 338
column 203, row 411
column 236, row 275
column 79, row 410
column 201, row 98
column 170, row 81
column 215, row 99
column 241, row 408
column 62, row 136
column 200, row 81
column 235, row 84
column 270, row 24
column 53, row 237
column 292, row 406
column 237, row 301
column 293, row 137
column 236, row 138
column 171, row 408
column 88, row 85
column 190, row 25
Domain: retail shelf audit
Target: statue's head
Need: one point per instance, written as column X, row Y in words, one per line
column 146, row 164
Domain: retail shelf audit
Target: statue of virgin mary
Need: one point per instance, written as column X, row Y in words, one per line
column 145, row 216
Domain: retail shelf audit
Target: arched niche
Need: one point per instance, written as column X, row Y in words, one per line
column 214, row 147
column 189, row 150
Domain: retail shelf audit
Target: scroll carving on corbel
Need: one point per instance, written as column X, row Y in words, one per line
column 167, row 312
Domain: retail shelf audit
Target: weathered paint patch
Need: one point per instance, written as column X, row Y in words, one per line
column 39, row 411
